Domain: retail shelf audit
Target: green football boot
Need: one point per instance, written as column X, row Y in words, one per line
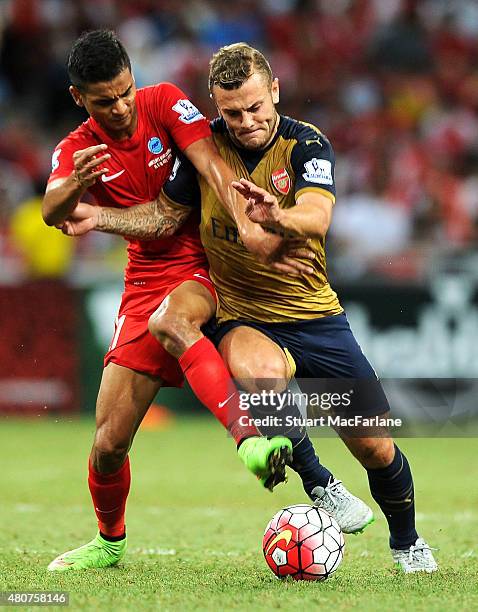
column 96, row 554
column 266, row 458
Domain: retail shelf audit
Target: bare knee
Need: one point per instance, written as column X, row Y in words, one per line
column 259, row 375
column 373, row 453
column 257, row 362
column 174, row 331
column 109, row 450
column 161, row 325
column 271, row 377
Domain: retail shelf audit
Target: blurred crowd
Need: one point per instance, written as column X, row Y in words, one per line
column 393, row 84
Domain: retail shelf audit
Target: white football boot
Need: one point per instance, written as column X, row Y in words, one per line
column 417, row 558
column 350, row 512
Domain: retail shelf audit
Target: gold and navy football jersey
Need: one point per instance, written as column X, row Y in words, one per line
column 299, row 159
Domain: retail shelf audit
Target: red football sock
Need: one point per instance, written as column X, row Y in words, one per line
column 109, row 493
column 210, row 380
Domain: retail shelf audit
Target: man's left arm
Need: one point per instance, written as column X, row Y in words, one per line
column 150, row 221
column 309, row 218
column 192, row 134
column 207, row 160
column 313, row 163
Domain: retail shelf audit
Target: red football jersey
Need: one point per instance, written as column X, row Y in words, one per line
column 138, row 168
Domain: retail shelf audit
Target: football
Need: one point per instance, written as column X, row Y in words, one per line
column 304, row 542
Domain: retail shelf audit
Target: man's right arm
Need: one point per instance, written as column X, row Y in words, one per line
column 63, row 194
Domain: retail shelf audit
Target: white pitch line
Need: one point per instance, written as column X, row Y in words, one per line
column 161, row 552
column 157, row 552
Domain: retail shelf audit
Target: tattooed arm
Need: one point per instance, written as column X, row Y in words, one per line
column 157, row 219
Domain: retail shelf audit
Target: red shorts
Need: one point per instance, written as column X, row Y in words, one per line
column 132, row 345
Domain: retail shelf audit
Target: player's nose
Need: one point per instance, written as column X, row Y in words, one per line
column 120, row 107
column 247, row 121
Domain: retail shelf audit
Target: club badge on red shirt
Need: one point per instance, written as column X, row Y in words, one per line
column 281, row 181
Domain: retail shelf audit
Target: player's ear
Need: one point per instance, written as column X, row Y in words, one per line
column 76, row 95
column 211, row 95
column 275, row 90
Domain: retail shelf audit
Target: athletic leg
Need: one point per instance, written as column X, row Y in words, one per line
column 334, row 353
column 123, row 400
column 267, row 367
column 176, row 324
column 391, row 486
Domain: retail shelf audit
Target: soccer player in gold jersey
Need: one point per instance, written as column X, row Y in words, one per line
column 271, row 326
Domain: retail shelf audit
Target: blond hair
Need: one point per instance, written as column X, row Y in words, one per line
column 231, row 66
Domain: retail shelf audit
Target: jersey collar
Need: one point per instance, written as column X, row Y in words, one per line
column 125, row 144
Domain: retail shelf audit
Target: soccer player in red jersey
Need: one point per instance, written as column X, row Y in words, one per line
column 122, row 155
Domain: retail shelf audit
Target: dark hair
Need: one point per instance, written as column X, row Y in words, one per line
column 95, row 57
column 232, row 65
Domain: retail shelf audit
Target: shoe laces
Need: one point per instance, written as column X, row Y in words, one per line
column 418, row 552
column 334, row 493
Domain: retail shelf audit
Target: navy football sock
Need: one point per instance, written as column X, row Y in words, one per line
column 392, row 489
column 307, row 465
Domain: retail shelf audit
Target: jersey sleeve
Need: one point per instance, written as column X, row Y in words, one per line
column 62, row 160
column 313, row 162
column 183, row 120
column 182, row 187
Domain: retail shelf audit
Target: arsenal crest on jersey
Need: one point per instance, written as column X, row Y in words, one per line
column 281, row 180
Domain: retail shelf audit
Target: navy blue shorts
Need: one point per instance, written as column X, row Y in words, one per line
column 327, row 357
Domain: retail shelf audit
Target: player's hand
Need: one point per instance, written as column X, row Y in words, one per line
column 262, row 206
column 82, row 220
column 88, row 165
column 282, row 254
column 286, row 258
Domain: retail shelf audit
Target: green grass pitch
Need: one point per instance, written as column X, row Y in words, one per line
column 196, row 518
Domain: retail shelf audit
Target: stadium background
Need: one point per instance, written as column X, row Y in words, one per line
column 394, row 85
